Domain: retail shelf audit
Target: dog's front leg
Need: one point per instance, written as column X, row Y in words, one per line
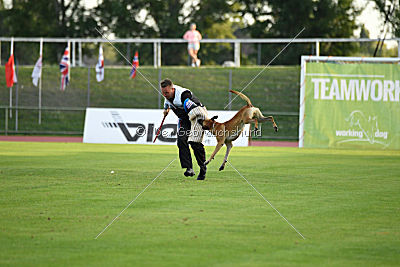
column 217, row 148
column 228, row 149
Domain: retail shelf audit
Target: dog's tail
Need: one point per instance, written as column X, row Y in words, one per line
column 242, row 96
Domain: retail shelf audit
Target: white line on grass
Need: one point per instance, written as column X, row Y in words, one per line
column 266, row 200
column 267, row 65
column 135, row 198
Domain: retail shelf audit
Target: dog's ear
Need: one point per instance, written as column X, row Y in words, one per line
column 200, row 121
column 214, row 118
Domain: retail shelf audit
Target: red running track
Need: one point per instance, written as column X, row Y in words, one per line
column 59, row 139
column 274, row 143
column 78, row 139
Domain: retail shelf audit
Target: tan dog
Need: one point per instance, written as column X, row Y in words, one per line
column 229, row 131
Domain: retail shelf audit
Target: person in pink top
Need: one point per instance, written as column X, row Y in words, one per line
column 193, row 37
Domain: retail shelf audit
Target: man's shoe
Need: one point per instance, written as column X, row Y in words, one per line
column 189, row 172
column 202, row 174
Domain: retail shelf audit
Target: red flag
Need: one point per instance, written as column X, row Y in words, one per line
column 11, row 77
column 135, row 65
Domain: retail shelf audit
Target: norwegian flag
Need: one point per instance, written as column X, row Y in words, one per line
column 135, row 65
column 64, row 69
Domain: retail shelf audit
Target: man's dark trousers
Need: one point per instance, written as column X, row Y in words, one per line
column 183, row 145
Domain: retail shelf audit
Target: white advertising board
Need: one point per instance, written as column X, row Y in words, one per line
column 139, row 126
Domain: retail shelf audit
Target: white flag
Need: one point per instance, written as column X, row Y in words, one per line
column 37, row 72
column 100, row 66
column 15, row 75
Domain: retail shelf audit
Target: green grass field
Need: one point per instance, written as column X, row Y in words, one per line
column 56, row 198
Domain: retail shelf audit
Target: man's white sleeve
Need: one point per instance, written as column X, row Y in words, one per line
column 198, row 112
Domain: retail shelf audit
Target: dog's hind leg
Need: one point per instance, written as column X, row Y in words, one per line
column 274, row 124
column 255, row 121
column 264, row 119
column 228, row 149
column 256, row 124
column 260, row 117
column 269, row 118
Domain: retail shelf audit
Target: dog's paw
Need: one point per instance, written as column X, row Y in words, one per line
column 276, row 128
column 221, row 168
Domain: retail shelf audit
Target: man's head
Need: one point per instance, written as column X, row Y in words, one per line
column 167, row 88
column 193, row 26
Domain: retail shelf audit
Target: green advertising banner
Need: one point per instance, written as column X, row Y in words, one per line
column 351, row 105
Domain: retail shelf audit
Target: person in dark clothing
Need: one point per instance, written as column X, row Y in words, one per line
column 188, row 109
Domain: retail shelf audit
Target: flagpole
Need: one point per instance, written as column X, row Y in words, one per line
column 40, row 82
column 16, row 104
column 11, row 52
column 10, row 102
column 88, row 88
column 69, row 61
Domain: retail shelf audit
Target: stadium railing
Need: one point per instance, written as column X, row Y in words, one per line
column 157, row 53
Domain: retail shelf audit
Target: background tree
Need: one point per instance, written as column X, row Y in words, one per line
column 321, row 18
column 166, row 19
column 390, row 11
column 366, row 48
column 144, row 19
column 169, row 23
column 33, row 18
column 214, row 17
column 171, row 18
column 122, row 18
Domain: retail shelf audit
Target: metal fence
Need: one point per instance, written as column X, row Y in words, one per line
column 62, row 112
column 24, row 115
column 77, row 54
column 14, row 125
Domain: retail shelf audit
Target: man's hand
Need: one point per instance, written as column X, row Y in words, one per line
column 166, row 112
